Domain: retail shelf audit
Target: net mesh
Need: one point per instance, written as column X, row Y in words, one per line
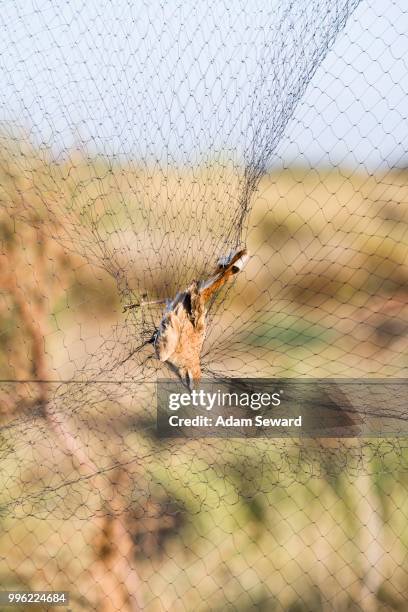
column 140, row 143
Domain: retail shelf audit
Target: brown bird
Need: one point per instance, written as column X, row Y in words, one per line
column 179, row 338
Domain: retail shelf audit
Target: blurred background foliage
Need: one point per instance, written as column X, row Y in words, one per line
column 214, row 525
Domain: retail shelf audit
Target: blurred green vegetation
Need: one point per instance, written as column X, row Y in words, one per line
column 216, row 525
column 290, row 332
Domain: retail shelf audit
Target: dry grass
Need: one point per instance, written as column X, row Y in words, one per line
column 325, row 294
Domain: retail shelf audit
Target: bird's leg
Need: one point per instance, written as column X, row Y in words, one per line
column 143, row 303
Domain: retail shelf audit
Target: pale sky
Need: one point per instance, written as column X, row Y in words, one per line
column 175, row 80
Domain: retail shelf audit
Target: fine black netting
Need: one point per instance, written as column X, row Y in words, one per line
column 141, row 142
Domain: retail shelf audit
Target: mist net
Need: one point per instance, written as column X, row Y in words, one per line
column 140, row 143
